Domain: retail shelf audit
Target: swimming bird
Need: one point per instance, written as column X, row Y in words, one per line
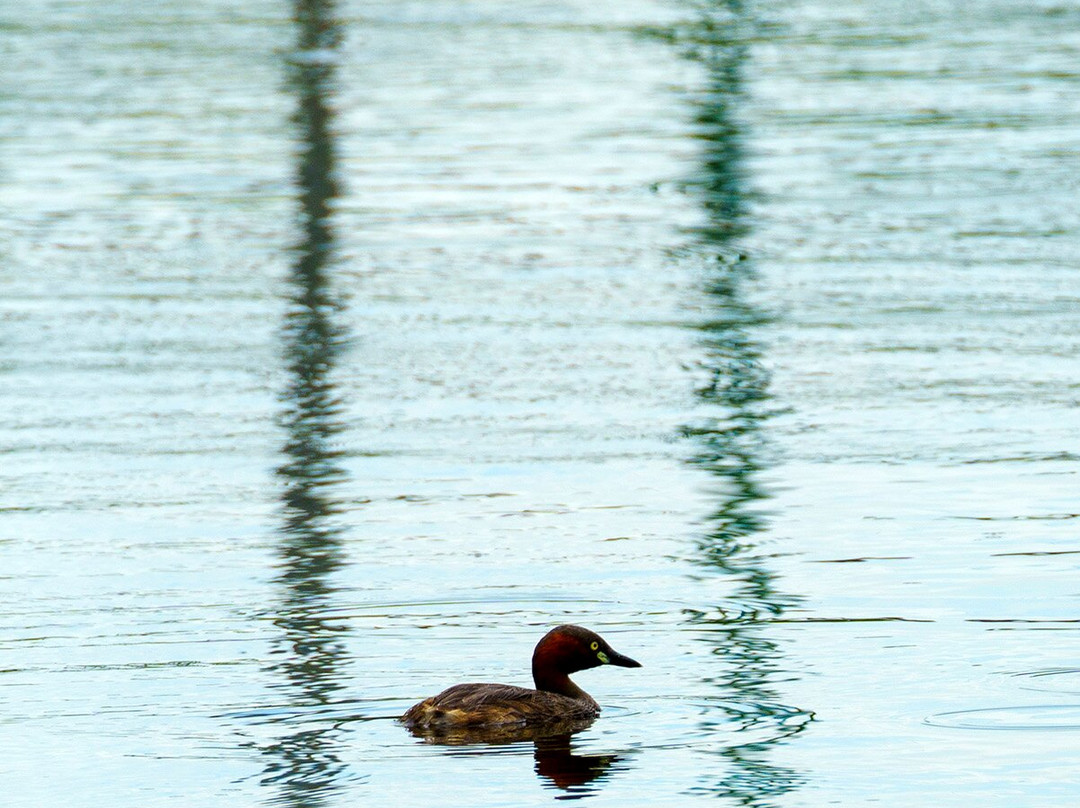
column 562, row 651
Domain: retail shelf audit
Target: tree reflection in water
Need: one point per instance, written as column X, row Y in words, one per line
column 305, row 764
column 730, row 443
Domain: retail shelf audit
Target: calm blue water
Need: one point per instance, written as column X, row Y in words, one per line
column 347, row 348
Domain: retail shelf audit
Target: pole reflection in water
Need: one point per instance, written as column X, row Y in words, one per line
column 305, row 763
column 731, row 447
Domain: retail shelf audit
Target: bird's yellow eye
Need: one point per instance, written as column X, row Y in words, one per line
column 595, row 645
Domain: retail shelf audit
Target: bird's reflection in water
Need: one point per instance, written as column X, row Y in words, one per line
column 556, row 762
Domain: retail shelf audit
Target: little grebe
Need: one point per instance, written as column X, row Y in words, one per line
column 563, row 650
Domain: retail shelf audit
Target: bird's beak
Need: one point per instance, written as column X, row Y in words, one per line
column 615, row 658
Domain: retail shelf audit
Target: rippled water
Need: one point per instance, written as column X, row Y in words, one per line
column 346, row 348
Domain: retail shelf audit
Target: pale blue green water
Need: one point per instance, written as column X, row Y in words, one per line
column 346, row 348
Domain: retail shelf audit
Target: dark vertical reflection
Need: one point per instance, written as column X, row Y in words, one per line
column 304, row 763
column 730, row 446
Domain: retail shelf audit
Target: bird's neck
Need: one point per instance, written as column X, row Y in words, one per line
column 554, row 681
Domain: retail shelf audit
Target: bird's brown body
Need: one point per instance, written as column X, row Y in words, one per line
column 489, row 704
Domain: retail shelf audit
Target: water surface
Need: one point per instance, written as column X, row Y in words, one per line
column 346, row 348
